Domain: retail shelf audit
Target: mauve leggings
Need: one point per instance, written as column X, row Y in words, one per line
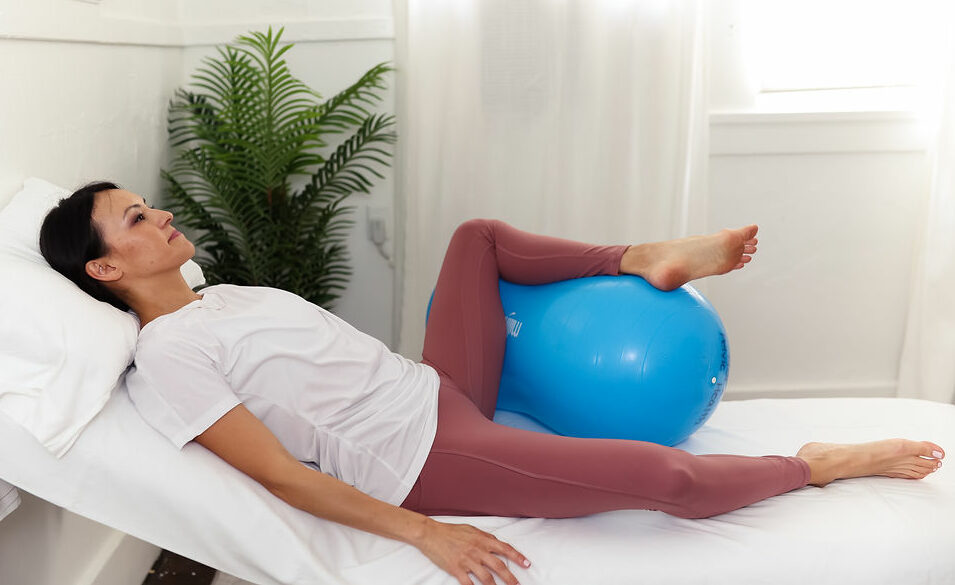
column 478, row 467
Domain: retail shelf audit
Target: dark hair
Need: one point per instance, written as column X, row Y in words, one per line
column 69, row 239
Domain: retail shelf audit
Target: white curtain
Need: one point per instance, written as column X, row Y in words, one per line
column 583, row 119
column 927, row 368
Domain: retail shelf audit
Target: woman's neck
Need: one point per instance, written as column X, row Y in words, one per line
column 160, row 296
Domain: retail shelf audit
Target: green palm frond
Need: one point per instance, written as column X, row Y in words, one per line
column 242, row 132
column 350, row 107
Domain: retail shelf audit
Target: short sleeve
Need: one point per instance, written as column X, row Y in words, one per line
column 176, row 385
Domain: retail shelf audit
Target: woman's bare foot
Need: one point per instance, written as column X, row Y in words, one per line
column 671, row 264
column 891, row 458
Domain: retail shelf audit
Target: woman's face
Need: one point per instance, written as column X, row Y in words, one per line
column 141, row 241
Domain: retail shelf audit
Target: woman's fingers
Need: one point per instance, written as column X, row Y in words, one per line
column 484, row 576
column 498, row 566
column 510, row 552
column 491, row 560
column 464, row 550
column 483, row 568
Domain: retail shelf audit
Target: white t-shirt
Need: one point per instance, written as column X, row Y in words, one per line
column 333, row 396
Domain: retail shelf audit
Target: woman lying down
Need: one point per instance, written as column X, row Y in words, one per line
column 267, row 380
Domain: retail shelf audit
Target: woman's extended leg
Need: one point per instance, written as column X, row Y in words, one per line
column 478, row 467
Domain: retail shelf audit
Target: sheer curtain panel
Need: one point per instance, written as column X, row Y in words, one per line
column 583, row 119
column 927, row 368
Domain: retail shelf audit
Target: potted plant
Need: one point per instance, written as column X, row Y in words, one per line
column 244, row 136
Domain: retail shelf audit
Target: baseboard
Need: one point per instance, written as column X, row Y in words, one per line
column 857, row 390
column 122, row 560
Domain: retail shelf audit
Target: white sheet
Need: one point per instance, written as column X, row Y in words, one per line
column 870, row 530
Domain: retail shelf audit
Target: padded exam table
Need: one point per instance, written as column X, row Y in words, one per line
column 873, row 531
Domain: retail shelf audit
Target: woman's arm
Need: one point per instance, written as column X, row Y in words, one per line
column 247, row 444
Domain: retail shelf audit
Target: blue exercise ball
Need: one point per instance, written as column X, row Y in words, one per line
column 612, row 357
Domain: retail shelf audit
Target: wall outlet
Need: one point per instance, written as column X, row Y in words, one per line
column 377, row 224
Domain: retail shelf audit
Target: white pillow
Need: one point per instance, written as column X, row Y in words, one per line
column 61, row 351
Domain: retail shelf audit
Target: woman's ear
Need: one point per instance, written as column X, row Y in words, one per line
column 102, row 270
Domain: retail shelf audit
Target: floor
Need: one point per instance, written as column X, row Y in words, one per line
column 223, row 579
column 173, row 569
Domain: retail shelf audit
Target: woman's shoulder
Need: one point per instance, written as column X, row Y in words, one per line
column 222, row 305
column 246, row 291
column 183, row 327
column 260, row 299
column 168, row 333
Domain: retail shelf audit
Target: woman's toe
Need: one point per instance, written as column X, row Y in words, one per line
column 931, row 450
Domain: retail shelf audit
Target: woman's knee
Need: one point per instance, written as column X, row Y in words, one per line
column 478, row 228
column 683, row 489
column 678, row 483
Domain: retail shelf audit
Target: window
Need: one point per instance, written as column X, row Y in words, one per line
column 833, row 46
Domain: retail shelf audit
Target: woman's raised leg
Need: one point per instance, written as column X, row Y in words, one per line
column 465, row 335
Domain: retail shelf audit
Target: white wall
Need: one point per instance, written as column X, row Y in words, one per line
column 839, row 189
column 244, row 12
column 86, row 87
column 822, row 308
column 73, row 108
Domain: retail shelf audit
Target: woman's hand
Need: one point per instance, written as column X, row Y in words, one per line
column 247, row 444
column 461, row 549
